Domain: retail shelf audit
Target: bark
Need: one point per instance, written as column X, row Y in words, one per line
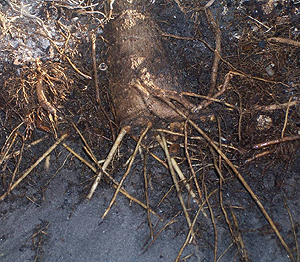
column 141, row 72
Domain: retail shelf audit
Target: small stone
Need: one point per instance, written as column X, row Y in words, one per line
column 264, row 122
column 262, row 44
column 269, row 70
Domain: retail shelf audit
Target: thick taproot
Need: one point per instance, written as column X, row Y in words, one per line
column 141, row 72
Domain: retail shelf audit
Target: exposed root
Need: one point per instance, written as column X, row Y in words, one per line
column 95, row 68
column 284, row 41
column 115, row 183
column 245, row 92
column 146, row 196
column 109, row 158
column 191, row 228
column 237, row 236
column 294, row 231
column 217, row 51
column 239, row 176
column 277, row 106
column 215, row 96
column 276, row 141
column 127, row 171
column 212, row 217
column 43, row 99
column 9, row 143
column 175, row 180
column 172, row 221
column 264, row 153
column 28, row 171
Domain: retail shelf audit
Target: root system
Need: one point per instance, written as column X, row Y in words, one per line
column 203, row 110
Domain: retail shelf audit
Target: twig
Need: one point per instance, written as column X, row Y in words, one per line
column 151, row 154
column 75, row 68
column 7, row 149
column 87, row 147
column 191, row 138
column 209, row 98
column 35, row 164
column 184, row 180
column 177, row 36
column 240, row 117
column 268, row 28
column 58, row 169
column 218, row 171
column 236, row 236
column 190, row 39
column 220, row 145
column 222, row 204
column 165, row 195
column 180, row 6
column 225, row 251
column 209, row 3
column 80, row 158
column 257, row 78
